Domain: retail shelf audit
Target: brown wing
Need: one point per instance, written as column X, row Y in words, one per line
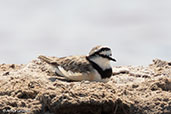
column 75, row 64
column 47, row 60
column 71, row 67
column 70, row 63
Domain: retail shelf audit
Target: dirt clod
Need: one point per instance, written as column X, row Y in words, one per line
column 34, row 89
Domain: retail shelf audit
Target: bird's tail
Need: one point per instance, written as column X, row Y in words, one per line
column 46, row 59
column 51, row 62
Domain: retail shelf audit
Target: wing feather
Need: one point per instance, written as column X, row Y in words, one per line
column 71, row 67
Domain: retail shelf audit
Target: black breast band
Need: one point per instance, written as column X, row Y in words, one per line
column 104, row 73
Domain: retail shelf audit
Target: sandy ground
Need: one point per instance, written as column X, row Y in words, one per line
column 34, row 89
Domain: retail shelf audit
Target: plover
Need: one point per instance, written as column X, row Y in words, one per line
column 93, row 67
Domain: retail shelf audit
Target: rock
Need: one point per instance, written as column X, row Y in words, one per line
column 34, row 88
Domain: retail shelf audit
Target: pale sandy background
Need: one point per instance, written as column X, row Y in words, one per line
column 136, row 30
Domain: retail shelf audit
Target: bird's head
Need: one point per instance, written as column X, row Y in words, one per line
column 103, row 52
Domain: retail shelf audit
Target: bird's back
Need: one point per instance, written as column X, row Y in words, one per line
column 75, row 64
column 70, row 63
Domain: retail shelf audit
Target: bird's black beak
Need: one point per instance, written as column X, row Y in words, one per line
column 108, row 57
column 112, row 59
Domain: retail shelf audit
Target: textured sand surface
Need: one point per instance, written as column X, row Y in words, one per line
column 34, row 89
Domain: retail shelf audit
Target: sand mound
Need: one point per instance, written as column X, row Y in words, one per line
column 34, row 89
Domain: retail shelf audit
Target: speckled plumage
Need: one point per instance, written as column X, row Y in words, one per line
column 83, row 67
column 74, row 63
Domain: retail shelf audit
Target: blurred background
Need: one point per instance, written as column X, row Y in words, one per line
column 136, row 30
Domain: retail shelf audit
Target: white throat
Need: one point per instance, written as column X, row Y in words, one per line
column 101, row 62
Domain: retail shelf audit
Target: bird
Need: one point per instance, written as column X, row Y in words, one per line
column 92, row 67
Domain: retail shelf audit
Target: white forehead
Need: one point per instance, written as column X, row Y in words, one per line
column 104, row 46
column 97, row 48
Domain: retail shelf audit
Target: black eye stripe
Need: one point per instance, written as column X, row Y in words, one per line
column 101, row 50
column 104, row 56
column 104, row 49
